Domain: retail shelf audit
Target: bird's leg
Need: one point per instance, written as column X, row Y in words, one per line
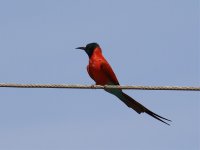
column 93, row 85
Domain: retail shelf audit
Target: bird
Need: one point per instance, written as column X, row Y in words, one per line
column 102, row 73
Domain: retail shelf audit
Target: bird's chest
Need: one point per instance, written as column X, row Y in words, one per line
column 95, row 67
column 95, row 71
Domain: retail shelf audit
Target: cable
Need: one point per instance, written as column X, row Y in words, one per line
column 78, row 86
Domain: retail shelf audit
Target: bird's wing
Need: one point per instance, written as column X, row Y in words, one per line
column 107, row 70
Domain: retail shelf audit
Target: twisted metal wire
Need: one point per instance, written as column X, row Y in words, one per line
column 79, row 86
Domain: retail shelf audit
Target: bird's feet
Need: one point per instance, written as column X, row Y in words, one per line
column 93, row 86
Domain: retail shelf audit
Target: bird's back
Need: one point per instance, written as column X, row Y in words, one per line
column 100, row 70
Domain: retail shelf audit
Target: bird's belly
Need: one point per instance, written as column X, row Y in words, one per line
column 98, row 75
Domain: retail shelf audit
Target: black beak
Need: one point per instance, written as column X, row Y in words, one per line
column 83, row 48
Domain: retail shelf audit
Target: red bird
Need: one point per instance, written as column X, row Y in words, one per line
column 101, row 72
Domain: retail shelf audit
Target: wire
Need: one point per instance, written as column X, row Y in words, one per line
column 78, row 86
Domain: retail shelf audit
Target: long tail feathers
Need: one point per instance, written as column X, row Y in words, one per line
column 139, row 108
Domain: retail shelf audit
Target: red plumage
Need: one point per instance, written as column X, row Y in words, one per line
column 101, row 72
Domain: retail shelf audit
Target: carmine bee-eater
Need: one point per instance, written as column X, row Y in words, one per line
column 101, row 72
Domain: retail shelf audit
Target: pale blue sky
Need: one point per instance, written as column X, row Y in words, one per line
column 149, row 42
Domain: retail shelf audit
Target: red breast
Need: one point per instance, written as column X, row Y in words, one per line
column 94, row 67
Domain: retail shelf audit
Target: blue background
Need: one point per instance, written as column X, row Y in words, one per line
column 147, row 42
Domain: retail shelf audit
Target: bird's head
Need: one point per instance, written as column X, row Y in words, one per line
column 89, row 49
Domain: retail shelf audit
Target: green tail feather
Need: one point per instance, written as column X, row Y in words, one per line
column 139, row 108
